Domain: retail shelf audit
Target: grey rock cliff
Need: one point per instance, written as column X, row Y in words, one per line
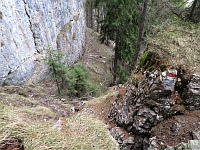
column 27, row 27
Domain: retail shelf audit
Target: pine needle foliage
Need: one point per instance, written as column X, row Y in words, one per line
column 76, row 80
column 56, row 66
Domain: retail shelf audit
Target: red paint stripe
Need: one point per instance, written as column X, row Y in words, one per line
column 171, row 75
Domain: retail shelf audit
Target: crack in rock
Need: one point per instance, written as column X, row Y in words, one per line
column 29, row 19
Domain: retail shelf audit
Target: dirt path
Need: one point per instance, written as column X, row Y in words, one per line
column 97, row 57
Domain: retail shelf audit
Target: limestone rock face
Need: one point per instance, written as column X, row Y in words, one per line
column 28, row 27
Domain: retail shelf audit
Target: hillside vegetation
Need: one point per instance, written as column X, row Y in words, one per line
column 177, row 42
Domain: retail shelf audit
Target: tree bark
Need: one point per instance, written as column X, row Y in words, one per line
column 193, row 8
column 98, row 17
column 141, row 31
column 91, row 15
column 116, row 57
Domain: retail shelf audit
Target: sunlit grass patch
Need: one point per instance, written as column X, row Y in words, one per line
column 87, row 132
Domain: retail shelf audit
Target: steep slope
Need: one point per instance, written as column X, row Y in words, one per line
column 98, row 59
column 177, row 43
column 29, row 114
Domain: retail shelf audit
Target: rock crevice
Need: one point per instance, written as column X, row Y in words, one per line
column 29, row 18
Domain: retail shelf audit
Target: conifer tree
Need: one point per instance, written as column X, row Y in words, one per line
column 121, row 25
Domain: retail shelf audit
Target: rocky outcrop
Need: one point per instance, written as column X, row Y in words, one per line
column 148, row 102
column 28, row 27
column 12, row 143
column 190, row 145
column 192, row 94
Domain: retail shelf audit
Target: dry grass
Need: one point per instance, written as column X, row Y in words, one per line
column 178, row 43
column 34, row 125
column 17, row 100
column 87, row 133
column 101, row 99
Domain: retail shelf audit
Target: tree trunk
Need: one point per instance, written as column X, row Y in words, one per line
column 192, row 11
column 116, row 57
column 89, row 14
column 115, row 66
column 141, row 31
column 98, row 17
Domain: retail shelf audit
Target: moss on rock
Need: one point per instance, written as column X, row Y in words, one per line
column 149, row 60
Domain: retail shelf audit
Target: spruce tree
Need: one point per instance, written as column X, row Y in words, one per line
column 121, row 25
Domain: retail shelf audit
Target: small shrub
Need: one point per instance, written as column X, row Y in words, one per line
column 56, row 67
column 76, row 79
column 73, row 79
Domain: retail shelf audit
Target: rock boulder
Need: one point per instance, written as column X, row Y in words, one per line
column 192, row 94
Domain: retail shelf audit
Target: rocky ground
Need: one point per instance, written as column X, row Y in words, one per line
column 177, row 129
column 162, row 106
